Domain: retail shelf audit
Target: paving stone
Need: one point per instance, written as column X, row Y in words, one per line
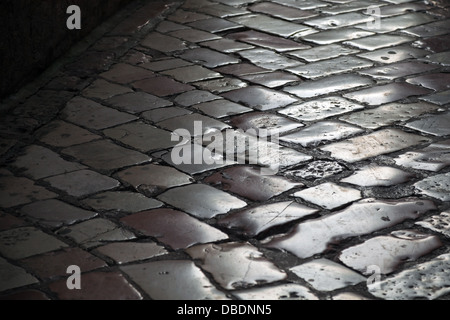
column 183, row 16
column 162, row 86
column 320, row 109
column 259, row 98
column 259, row 120
column 241, row 181
column 394, row 54
column 399, row 22
column 105, row 155
column 388, row 93
column 195, row 97
column 191, row 123
column 153, row 179
column 173, row 280
column 173, row 228
column 304, row 4
column 226, row 45
column 289, row 291
column 434, row 44
column 326, row 275
column 39, row 162
column 427, row 280
column 92, row 115
column 25, row 295
column 378, row 41
column 136, row 58
column 124, row 73
column 222, row 108
column 221, row 85
column 439, row 223
column 54, row 213
column 214, row 25
column 272, row 25
column 95, row 232
column 54, row 264
column 321, row 132
column 162, row 114
column 272, row 79
column 436, row 28
column 329, row 195
column 283, row 12
column 140, row 136
column 330, row 67
column 435, row 186
column 101, row 89
column 316, row 170
column 121, row 201
column 388, row 114
column 432, row 158
column 201, row 201
column 268, row 41
column 168, row 26
column 268, row 59
column 441, row 98
column 82, row 183
column 398, row 70
column 16, row 191
column 338, row 21
column 328, row 85
column 126, row 252
column 236, row 265
column 252, row 222
column 98, row 286
column 138, row 102
column 334, row 36
column 8, row 221
column 192, row 74
column 222, row 10
column 437, row 125
column 364, row 217
column 388, row 253
column 12, row 276
column 194, row 36
column 372, row 145
column 345, row 6
column 377, row 176
column 166, row 64
column 349, row 296
column 322, row 52
column 435, row 81
column 62, row 134
column 441, row 58
column 399, row 9
column 163, row 43
column 25, row 242
column 241, row 69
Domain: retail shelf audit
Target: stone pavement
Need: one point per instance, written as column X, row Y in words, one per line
column 360, row 206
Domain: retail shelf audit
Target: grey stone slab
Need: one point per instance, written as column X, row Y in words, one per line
column 438, row 223
column 126, row 252
column 101, row 89
column 222, row 108
column 437, row 187
column 334, row 36
column 376, row 176
column 138, row 102
column 196, row 124
column 433, row 158
column 338, row 21
column 121, row 201
column 399, row 22
column 282, row 292
column 394, row 54
column 62, row 134
column 192, row 74
column 268, row 59
column 379, row 41
column 163, row 43
column 322, row 52
column 440, row 98
column 437, row 125
column 12, row 276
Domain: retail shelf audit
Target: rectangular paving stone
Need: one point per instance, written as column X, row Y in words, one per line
column 338, row 35
column 121, row 201
column 236, row 265
column 162, row 86
column 283, row 12
column 162, row 114
column 174, row 228
column 142, row 137
column 82, row 183
column 101, row 89
column 39, row 162
column 214, row 25
column 225, row 45
column 273, row 26
column 394, row 54
column 377, row 176
column 208, row 58
column 440, row 98
column 8, row 221
column 222, row 10
column 441, row 58
column 173, row 280
column 196, row 124
column 241, row 69
column 201, row 200
column 125, row 73
column 433, row 158
column 290, row 291
column 437, row 187
column 138, row 102
column 125, row 252
column 221, row 85
column 272, row 79
column 388, row 114
column 389, row 252
column 105, row 155
column 166, row 64
column 364, row 217
column 398, row 70
column 62, row 134
column 399, row 9
column 192, row 74
column 268, row 59
column 433, row 29
column 427, row 280
column 338, row 21
column 163, row 43
column 12, row 276
column 438, row 223
column 194, row 35
column 435, row 81
column 55, row 213
column 322, row 52
column 387, row 93
column 257, row 121
column 329, row 67
column 379, row 41
column 332, row 84
column 194, row 97
column 221, row 108
column 184, row 16
column 400, row 22
column 437, row 125
column 303, row 4
column 372, row 145
column 92, row 115
column 266, row 41
column 350, row 6
column 320, row 109
column 25, row 242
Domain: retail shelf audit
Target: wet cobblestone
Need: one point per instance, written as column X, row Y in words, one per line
column 362, row 180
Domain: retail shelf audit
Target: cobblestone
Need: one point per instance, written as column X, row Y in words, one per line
column 354, row 184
